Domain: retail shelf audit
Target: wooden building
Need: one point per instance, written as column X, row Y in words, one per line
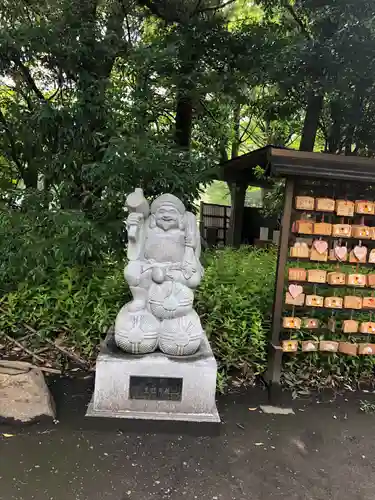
column 324, row 237
column 240, row 173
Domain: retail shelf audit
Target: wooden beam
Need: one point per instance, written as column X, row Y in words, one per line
column 275, row 353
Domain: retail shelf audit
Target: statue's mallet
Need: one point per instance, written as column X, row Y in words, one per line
column 137, row 203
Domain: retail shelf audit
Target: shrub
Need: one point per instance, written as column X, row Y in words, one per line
column 80, row 302
column 37, row 244
column 306, row 372
column 76, row 303
column 235, row 303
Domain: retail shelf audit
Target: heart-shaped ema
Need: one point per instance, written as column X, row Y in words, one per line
column 320, row 246
column 360, row 252
column 295, row 290
column 341, row 253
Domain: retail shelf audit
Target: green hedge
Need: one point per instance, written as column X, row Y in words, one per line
column 234, row 302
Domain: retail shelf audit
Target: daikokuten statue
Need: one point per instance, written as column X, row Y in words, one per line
column 162, row 272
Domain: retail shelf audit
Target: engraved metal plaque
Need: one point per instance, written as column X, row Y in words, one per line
column 155, row 388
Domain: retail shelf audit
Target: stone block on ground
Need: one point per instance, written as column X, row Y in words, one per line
column 276, row 410
column 24, row 395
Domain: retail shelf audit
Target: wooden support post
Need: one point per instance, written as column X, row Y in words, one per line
column 238, row 193
column 275, row 352
column 201, row 220
column 226, row 224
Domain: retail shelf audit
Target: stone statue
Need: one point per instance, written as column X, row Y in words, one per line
column 162, row 273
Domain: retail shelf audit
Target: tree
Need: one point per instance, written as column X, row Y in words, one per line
column 62, row 84
column 323, row 76
column 158, row 92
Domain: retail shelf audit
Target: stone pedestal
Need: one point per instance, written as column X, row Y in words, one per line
column 155, row 386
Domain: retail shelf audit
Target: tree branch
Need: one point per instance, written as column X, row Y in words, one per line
column 209, row 112
column 28, row 79
column 160, row 10
column 197, row 7
column 323, row 129
column 241, row 140
column 289, row 138
column 128, row 30
column 300, row 23
column 216, row 7
column 54, row 94
column 17, row 90
column 161, row 13
column 114, row 36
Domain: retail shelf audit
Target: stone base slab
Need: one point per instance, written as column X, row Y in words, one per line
column 115, row 397
column 156, row 416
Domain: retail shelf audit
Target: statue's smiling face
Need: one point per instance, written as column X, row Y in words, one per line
column 167, row 217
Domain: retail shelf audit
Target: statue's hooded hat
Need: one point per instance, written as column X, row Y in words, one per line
column 168, row 199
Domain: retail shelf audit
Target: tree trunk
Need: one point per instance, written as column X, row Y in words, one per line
column 223, row 150
column 30, row 178
column 310, row 125
column 236, row 131
column 238, row 194
column 184, row 118
column 354, row 119
column 349, row 140
column 334, row 136
column 185, row 98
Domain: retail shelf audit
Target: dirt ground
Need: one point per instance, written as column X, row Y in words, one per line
column 324, row 451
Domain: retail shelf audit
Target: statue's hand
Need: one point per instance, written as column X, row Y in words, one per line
column 132, row 224
column 176, row 270
column 134, row 219
column 189, row 240
column 188, row 271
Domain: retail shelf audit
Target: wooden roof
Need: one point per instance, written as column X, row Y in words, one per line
column 241, row 168
column 320, row 165
column 285, row 162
